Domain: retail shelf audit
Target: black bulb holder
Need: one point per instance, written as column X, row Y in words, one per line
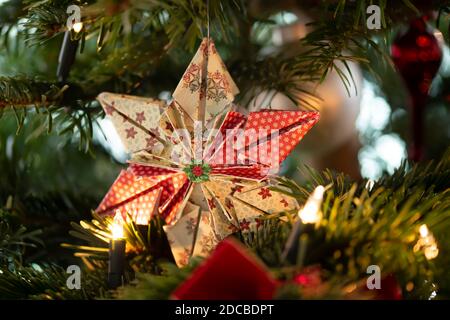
column 66, row 56
column 291, row 252
column 116, row 265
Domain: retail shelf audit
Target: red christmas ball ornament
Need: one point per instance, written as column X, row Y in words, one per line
column 417, row 55
column 390, row 289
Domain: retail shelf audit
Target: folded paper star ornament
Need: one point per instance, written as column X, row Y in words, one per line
column 196, row 162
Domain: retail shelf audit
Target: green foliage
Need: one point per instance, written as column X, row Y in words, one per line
column 133, row 47
column 268, row 242
column 184, row 21
column 45, row 183
column 14, row 238
column 47, row 19
column 150, row 286
column 123, row 69
column 39, row 173
column 23, row 280
column 380, row 226
column 48, row 282
column 21, row 92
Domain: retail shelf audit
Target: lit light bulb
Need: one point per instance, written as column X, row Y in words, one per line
column 310, row 213
column 117, row 252
column 369, row 184
column 141, row 218
column 77, row 26
column 427, row 243
column 431, row 251
column 117, row 226
column 423, row 230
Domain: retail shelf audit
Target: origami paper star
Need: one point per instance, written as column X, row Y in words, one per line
column 197, row 163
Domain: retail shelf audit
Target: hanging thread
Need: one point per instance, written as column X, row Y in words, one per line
column 207, row 19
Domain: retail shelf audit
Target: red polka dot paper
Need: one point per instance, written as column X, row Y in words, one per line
column 279, row 133
column 130, row 195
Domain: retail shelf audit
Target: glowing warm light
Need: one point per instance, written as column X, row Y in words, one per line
column 77, row 26
column 310, row 213
column 117, row 226
column 431, row 252
column 427, row 243
column 409, row 286
column 141, row 218
column 369, row 184
column 423, row 230
column 350, row 288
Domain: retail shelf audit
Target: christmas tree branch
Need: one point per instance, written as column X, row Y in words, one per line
column 393, row 12
column 10, row 13
column 72, row 108
column 51, row 192
column 19, row 92
column 151, row 286
column 324, row 50
column 380, row 225
column 49, row 282
column 14, row 238
column 125, row 69
column 47, row 19
column 52, row 103
column 184, row 21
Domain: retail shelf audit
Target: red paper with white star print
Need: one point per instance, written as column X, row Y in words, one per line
column 219, row 181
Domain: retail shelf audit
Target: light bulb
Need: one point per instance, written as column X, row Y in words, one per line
column 369, row 184
column 117, row 226
column 310, row 213
column 431, row 251
column 423, row 230
column 427, row 243
column 77, row 26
